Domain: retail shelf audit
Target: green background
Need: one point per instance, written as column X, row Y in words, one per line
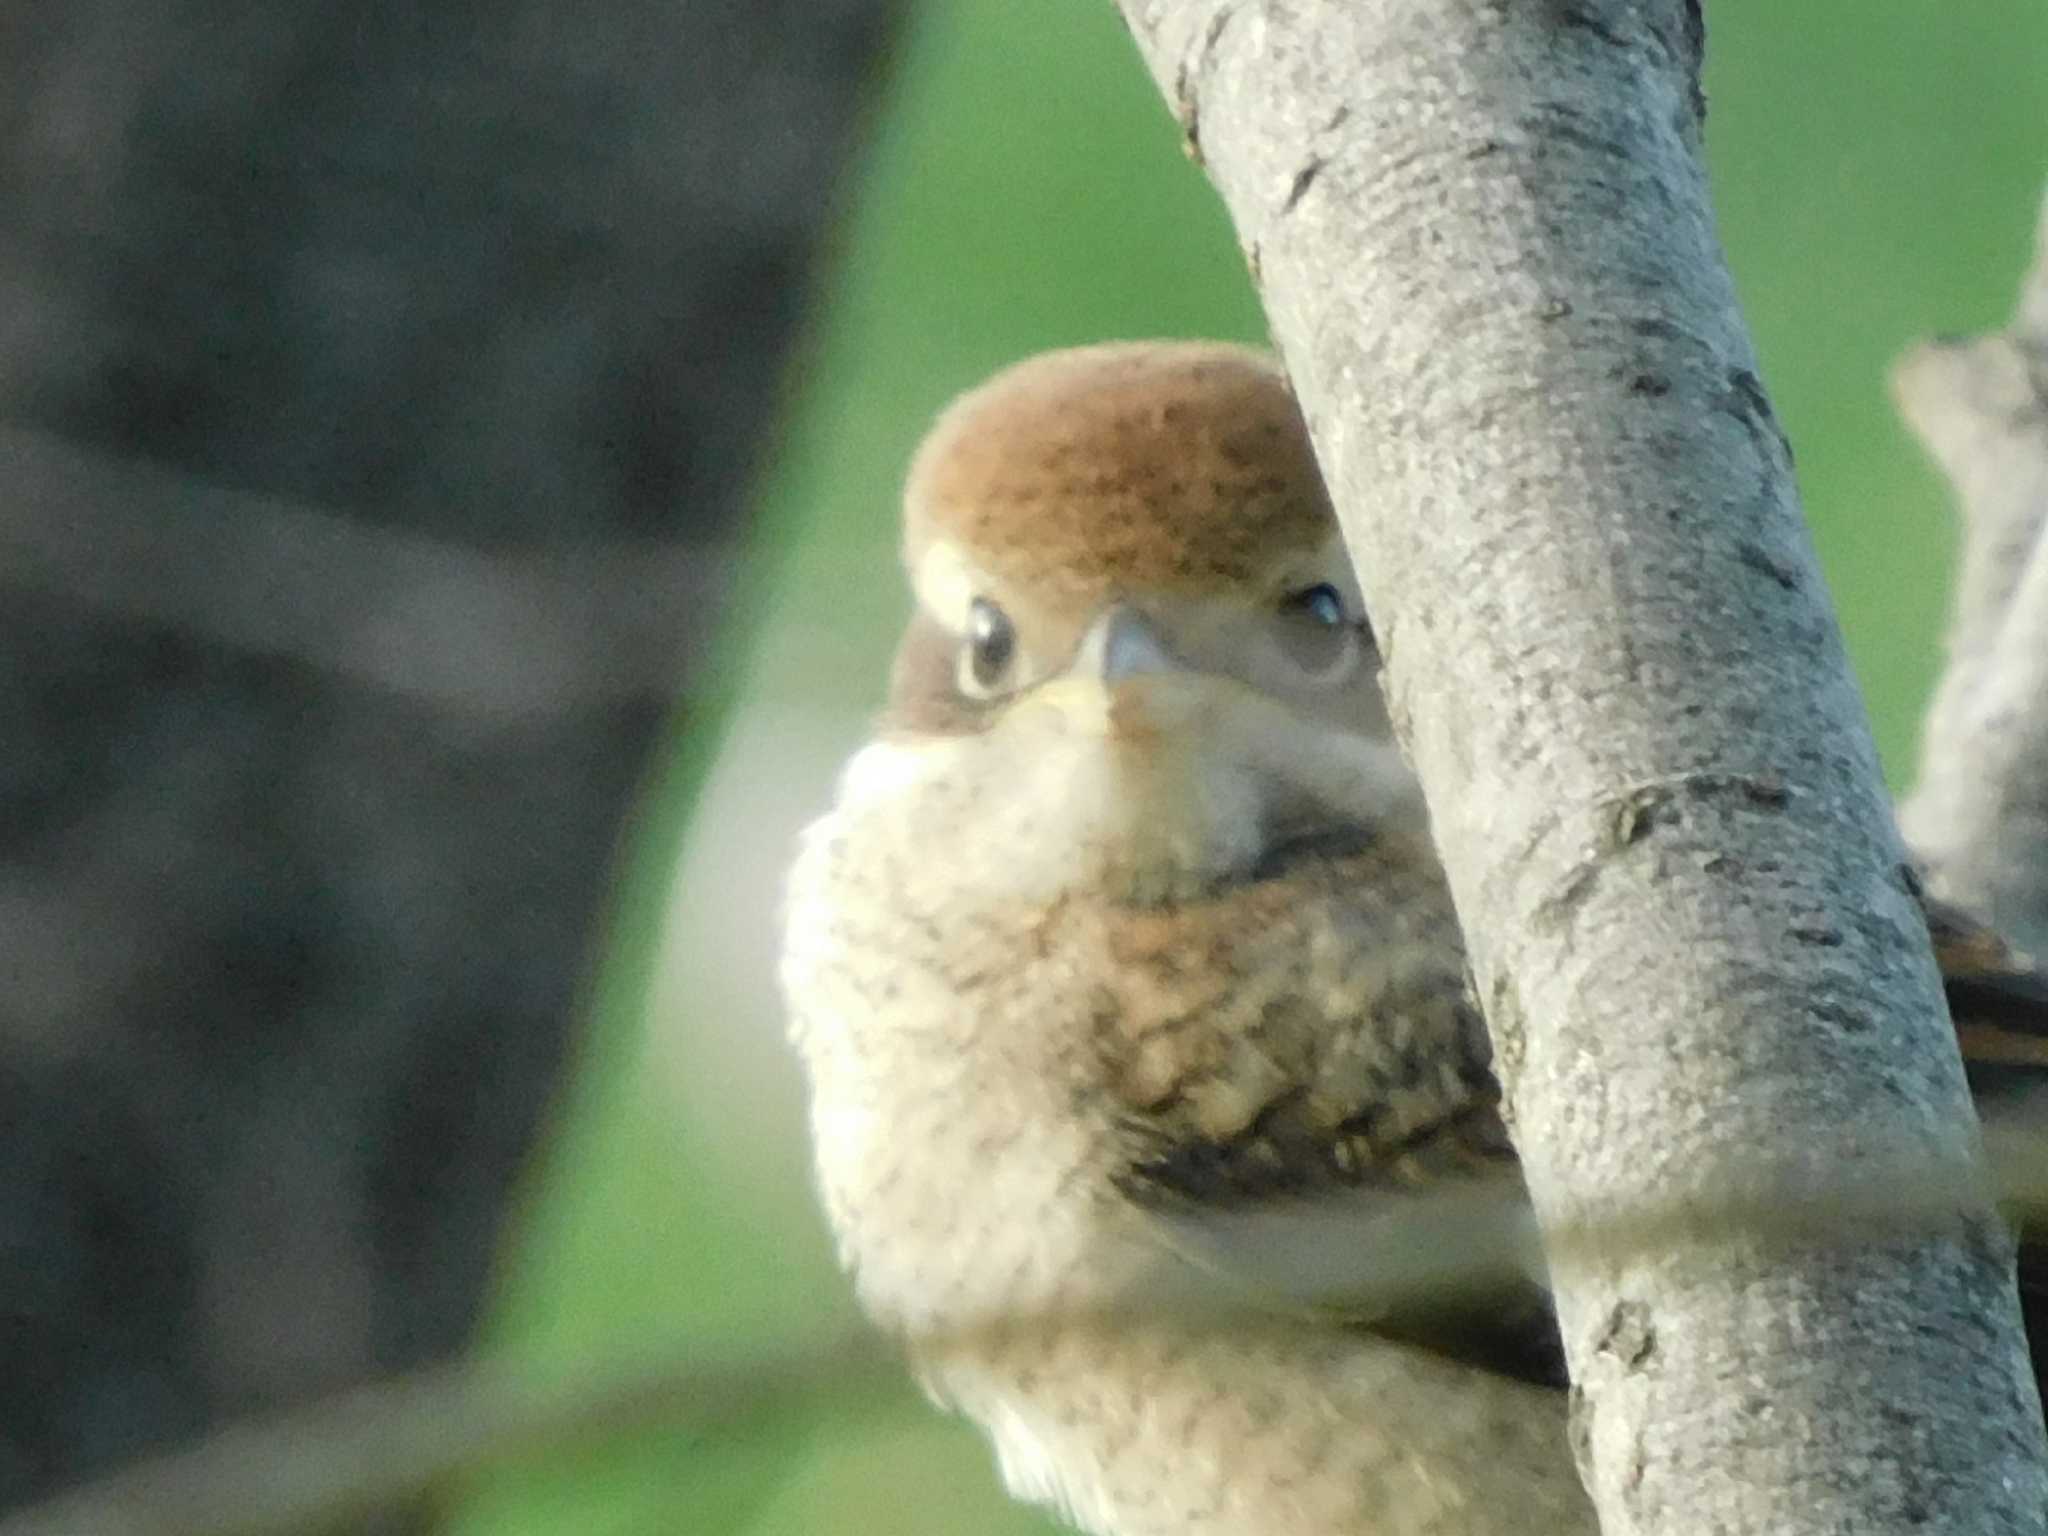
column 1877, row 168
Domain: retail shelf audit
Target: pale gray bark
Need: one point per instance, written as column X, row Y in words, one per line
column 1979, row 815
column 1483, row 236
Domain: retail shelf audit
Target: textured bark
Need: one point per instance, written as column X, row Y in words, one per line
column 1979, row 815
column 378, row 391
column 1483, row 236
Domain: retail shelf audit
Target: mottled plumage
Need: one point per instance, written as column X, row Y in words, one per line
column 1131, row 994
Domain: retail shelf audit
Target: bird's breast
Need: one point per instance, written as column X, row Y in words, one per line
column 1003, row 1043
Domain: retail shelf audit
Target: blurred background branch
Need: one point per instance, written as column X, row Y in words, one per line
column 332, row 1466
column 381, row 388
column 1979, row 811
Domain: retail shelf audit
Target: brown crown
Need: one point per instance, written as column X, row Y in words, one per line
column 1142, row 464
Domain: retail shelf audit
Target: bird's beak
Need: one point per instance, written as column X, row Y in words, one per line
column 1123, row 643
column 1122, row 647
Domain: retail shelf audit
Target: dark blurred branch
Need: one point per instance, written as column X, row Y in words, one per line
column 379, row 390
column 499, row 637
column 347, row 1459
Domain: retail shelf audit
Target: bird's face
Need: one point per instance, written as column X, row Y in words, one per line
column 1139, row 649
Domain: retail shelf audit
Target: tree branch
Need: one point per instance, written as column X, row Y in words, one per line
column 333, row 1464
column 1483, row 235
column 1980, row 812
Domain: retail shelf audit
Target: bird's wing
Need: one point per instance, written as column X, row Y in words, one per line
column 1998, row 998
column 1333, row 1142
column 1310, row 1106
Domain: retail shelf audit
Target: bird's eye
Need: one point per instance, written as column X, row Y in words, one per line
column 1321, row 602
column 991, row 648
column 1319, row 635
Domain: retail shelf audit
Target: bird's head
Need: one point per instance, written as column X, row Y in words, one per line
column 1132, row 599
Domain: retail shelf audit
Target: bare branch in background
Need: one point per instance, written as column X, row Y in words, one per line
column 1979, row 814
column 336, row 1463
column 360, row 1453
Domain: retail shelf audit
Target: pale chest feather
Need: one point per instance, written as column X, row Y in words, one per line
column 947, row 1046
column 1020, row 1077
column 1005, row 1061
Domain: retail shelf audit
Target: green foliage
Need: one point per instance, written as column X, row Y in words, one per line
column 1877, row 168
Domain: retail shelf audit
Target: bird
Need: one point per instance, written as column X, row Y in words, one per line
column 1133, row 1004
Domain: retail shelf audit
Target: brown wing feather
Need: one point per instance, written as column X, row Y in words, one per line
column 1300, row 1057
column 1310, row 1033
column 1998, row 998
column 1302, row 1032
